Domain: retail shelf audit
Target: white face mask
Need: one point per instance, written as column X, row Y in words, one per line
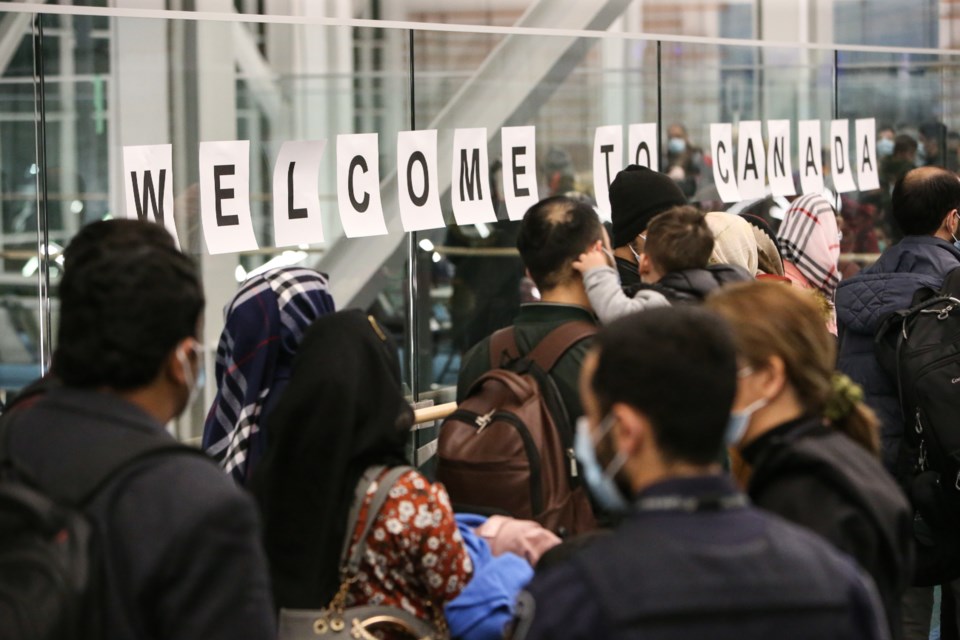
column 194, row 383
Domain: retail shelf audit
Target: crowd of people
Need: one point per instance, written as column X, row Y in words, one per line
column 720, row 403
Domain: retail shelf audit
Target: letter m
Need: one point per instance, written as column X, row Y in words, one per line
column 472, row 179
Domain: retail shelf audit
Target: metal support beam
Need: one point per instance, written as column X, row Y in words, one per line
column 13, row 28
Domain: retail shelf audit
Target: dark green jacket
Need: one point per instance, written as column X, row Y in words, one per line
column 533, row 324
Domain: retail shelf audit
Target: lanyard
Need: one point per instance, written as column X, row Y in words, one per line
column 693, row 505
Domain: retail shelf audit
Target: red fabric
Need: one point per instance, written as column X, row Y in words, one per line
column 415, row 556
column 770, row 277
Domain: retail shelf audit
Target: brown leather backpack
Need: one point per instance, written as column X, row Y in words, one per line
column 508, row 448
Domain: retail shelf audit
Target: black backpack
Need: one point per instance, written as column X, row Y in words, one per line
column 920, row 347
column 51, row 569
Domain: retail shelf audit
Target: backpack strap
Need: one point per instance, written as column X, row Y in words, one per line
column 98, row 466
column 549, row 350
column 503, row 344
column 350, row 565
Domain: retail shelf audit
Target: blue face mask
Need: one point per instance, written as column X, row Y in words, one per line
column 884, row 147
column 676, row 145
column 739, row 421
column 600, row 481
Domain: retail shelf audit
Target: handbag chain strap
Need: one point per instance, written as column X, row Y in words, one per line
column 350, row 562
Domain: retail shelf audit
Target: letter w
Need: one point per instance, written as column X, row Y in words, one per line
column 156, row 203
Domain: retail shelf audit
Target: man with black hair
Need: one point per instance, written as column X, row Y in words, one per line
column 179, row 541
column 925, row 202
column 692, row 558
column 553, row 233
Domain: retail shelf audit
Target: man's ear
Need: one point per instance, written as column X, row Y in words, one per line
column 178, row 358
column 632, row 429
column 950, row 222
column 645, row 267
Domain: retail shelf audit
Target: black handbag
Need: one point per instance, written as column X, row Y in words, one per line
column 339, row 622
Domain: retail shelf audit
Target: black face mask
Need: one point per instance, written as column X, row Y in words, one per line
column 629, row 272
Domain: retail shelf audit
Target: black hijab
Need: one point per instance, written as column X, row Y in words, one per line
column 342, row 411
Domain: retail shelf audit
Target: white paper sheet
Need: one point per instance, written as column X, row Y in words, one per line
column 417, row 181
column 358, row 185
column 642, row 145
column 225, row 196
column 148, row 182
column 840, row 166
column 810, row 156
column 519, row 153
column 868, row 174
column 724, row 171
column 751, row 161
column 296, row 194
column 470, row 178
column 779, row 162
column 607, row 163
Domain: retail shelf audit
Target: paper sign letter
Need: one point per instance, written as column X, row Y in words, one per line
column 518, row 149
column 642, row 149
column 225, row 196
column 866, row 141
column 296, row 194
column 358, row 185
column 723, row 170
column 779, row 166
column 752, row 161
column 470, row 193
column 811, row 156
column 149, row 185
column 607, row 163
column 840, row 156
column 417, row 180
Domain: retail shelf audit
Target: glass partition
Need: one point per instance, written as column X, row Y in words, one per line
column 184, row 83
column 115, row 81
column 21, row 274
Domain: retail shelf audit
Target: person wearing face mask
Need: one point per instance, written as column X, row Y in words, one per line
column 637, row 194
column 673, row 268
column 684, row 161
column 691, row 558
column 179, row 541
column 925, row 202
column 809, row 439
column 885, row 143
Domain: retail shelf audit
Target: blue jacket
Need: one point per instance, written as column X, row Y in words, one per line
column 864, row 300
column 485, row 606
column 733, row 573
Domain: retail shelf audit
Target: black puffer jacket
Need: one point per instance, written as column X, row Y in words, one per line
column 819, row 478
column 692, row 286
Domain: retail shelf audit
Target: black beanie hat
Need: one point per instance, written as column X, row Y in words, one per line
column 637, row 194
